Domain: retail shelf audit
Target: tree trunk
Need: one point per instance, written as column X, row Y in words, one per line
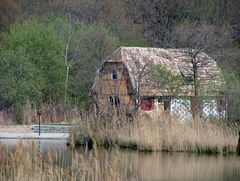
column 66, row 84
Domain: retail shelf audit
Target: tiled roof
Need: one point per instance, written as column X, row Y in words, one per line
column 177, row 61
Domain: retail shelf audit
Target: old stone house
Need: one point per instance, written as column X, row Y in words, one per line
column 124, row 84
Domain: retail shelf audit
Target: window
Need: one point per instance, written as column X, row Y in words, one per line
column 114, row 74
column 111, row 101
column 114, row 101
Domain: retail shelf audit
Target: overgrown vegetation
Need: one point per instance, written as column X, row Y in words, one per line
column 52, row 58
column 158, row 134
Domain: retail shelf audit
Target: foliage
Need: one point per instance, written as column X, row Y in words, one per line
column 31, row 64
column 232, row 96
column 164, row 79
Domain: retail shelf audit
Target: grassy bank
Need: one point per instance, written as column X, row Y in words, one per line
column 25, row 164
column 168, row 134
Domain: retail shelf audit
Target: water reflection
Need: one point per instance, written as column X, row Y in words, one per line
column 151, row 166
column 183, row 167
column 45, row 144
column 175, row 166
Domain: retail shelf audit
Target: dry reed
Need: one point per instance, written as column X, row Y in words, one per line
column 26, row 164
column 168, row 134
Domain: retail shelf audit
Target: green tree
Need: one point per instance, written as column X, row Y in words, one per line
column 164, row 79
column 33, row 52
column 19, row 81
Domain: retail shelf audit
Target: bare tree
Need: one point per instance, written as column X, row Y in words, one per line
column 69, row 57
column 10, row 11
column 196, row 41
column 140, row 82
column 156, row 18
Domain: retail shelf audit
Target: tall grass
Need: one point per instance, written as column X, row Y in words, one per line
column 32, row 165
column 159, row 134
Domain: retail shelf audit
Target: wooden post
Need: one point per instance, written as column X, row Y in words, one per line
column 238, row 147
column 39, row 122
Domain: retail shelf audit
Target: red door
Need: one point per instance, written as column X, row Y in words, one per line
column 147, row 104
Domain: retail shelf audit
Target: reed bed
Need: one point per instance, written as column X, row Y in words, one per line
column 26, row 164
column 158, row 134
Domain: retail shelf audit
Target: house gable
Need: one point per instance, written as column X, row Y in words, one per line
column 113, row 87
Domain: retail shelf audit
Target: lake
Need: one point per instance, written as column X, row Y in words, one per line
column 156, row 166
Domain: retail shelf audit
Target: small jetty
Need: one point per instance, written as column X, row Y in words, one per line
column 32, row 132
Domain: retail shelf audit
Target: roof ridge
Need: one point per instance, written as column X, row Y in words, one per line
column 159, row 48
